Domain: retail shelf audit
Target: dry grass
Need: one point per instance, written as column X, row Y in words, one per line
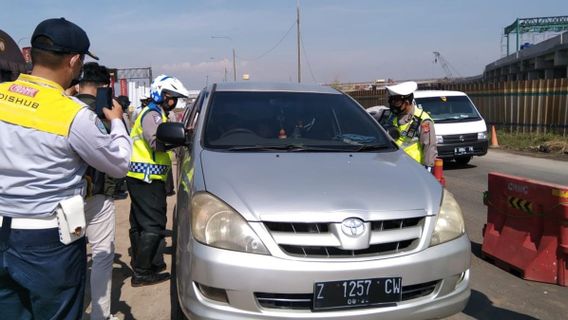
column 544, row 143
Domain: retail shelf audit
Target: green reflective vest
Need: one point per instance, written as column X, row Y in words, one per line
column 147, row 164
column 409, row 139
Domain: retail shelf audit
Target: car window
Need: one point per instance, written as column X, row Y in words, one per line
column 449, row 109
column 302, row 120
column 191, row 120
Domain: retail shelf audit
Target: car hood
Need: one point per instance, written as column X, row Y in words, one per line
column 461, row 127
column 299, row 186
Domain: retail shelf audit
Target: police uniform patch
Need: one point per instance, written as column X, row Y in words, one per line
column 101, row 126
column 425, row 127
column 157, row 119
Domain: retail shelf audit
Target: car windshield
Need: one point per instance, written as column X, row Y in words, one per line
column 290, row 121
column 449, row 108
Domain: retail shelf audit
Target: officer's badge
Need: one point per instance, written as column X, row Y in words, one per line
column 101, row 126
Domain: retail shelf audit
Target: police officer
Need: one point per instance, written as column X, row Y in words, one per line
column 99, row 204
column 146, row 178
column 415, row 127
column 47, row 140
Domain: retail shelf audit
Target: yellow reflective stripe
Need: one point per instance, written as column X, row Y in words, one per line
column 560, row 193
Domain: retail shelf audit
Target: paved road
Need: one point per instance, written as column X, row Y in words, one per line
column 497, row 294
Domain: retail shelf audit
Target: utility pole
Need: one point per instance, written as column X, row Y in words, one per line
column 234, row 66
column 234, row 55
column 298, row 27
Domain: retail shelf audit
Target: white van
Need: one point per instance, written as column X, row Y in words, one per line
column 461, row 131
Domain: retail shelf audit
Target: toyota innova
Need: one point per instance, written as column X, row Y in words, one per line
column 293, row 203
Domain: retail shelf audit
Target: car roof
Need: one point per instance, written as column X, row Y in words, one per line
column 437, row 93
column 275, row 86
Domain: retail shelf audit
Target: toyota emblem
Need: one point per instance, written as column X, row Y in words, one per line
column 353, row 227
column 462, row 139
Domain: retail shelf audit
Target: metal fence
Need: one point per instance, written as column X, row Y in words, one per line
column 537, row 106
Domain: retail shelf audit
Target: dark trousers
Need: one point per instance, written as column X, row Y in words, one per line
column 148, row 206
column 147, row 223
column 41, row 278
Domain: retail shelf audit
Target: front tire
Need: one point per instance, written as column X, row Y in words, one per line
column 175, row 313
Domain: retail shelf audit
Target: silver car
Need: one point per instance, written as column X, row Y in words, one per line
column 293, row 203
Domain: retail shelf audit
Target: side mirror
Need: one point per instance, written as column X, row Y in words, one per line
column 172, row 134
column 394, row 133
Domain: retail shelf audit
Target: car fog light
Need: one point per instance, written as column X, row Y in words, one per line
column 215, row 294
column 462, row 277
column 482, row 135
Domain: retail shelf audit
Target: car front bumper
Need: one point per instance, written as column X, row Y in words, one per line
column 244, row 276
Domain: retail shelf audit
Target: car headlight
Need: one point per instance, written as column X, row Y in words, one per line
column 439, row 139
column 216, row 224
column 449, row 223
column 482, row 135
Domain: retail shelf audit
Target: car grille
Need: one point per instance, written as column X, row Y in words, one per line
column 460, row 138
column 315, row 240
column 303, row 301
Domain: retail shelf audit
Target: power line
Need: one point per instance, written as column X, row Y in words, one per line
column 307, row 60
column 274, row 47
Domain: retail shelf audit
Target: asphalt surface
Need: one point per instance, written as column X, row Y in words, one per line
column 496, row 293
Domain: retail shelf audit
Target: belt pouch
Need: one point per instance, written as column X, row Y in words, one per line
column 71, row 219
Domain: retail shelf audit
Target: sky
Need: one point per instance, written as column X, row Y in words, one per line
column 342, row 40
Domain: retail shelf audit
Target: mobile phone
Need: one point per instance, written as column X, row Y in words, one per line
column 103, row 100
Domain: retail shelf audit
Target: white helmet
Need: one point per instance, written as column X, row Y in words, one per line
column 163, row 84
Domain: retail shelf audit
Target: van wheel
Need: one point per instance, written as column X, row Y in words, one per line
column 463, row 160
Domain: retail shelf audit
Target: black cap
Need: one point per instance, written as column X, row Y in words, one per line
column 66, row 36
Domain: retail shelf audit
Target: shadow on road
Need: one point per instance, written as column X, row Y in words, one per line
column 119, row 276
column 480, row 307
column 450, row 165
column 476, row 249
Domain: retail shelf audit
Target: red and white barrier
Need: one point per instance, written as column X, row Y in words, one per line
column 527, row 227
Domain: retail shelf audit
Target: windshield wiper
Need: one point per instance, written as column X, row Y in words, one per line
column 285, row 147
column 372, row 147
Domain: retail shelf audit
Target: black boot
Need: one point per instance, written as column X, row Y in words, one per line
column 144, row 274
column 158, row 263
column 139, row 280
column 134, row 236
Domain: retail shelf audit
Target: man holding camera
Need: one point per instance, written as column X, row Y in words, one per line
column 47, row 141
column 99, row 204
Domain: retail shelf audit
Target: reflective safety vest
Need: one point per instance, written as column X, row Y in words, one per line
column 147, row 164
column 409, row 139
column 39, row 167
column 37, row 103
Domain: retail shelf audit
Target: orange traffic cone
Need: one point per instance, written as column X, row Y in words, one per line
column 494, row 141
column 439, row 171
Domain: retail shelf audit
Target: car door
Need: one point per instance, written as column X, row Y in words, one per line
column 181, row 218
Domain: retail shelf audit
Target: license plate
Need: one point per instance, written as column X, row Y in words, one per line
column 356, row 293
column 463, row 150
